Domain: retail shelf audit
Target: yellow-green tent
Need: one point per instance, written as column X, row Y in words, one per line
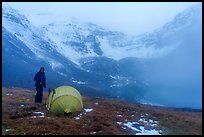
column 64, row 99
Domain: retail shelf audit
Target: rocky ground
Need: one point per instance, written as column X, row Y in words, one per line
column 20, row 116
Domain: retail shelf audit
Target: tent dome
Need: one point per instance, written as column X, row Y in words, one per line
column 64, row 99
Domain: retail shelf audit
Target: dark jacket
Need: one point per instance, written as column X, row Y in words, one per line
column 40, row 79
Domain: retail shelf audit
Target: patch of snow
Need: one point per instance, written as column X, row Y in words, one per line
column 152, row 104
column 77, row 117
column 8, row 130
column 62, row 74
column 96, row 103
column 130, row 125
column 148, row 132
column 79, row 82
column 88, row 110
column 33, row 117
column 140, row 130
column 119, row 123
column 149, row 122
column 38, row 113
column 54, row 64
column 112, row 76
column 118, row 85
column 119, row 78
column 119, row 115
column 142, row 120
column 93, row 132
column 8, row 94
column 22, row 105
column 152, row 123
column 124, row 127
column 87, row 70
column 119, row 81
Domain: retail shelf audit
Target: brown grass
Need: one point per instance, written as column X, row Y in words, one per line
column 101, row 121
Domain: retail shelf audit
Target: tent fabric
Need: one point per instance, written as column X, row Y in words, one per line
column 64, row 99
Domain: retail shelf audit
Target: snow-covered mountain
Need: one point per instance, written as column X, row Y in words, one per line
column 87, row 55
column 82, row 40
column 23, row 44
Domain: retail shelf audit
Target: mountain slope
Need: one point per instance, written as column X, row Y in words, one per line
column 104, row 62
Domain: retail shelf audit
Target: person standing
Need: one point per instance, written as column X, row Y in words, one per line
column 40, row 82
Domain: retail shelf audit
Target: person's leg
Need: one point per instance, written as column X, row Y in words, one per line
column 37, row 96
column 40, row 94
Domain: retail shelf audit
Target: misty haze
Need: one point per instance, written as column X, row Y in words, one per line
column 130, row 57
column 162, row 67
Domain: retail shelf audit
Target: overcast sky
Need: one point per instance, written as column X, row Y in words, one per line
column 132, row 18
